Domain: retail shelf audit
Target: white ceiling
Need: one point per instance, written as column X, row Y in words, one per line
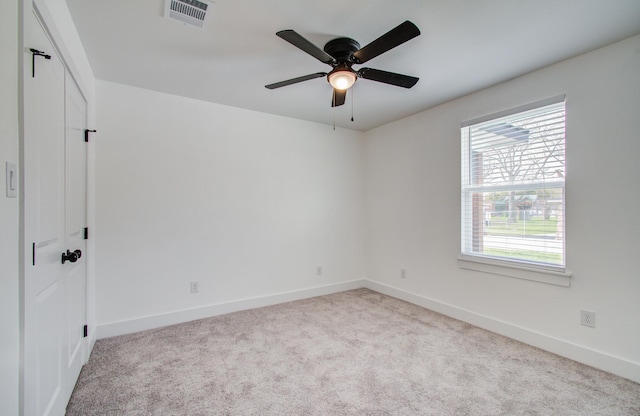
column 465, row 45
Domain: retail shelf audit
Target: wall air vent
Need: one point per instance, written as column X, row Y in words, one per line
column 191, row 12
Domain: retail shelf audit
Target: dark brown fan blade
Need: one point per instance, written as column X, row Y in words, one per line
column 338, row 97
column 392, row 78
column 389, row 40
column 295, row 80
column 300, row 42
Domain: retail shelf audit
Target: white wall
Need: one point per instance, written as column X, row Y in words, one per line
column 413, row 182
column 9, row 280
column 246, row 203
column 249, row 204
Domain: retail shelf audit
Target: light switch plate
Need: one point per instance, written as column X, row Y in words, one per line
column 12, row 180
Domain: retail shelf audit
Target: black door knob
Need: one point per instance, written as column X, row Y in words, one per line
column 71, row 256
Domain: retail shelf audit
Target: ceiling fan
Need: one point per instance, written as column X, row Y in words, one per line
column 342, row 53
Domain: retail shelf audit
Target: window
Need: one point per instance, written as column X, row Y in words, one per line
column 513, row 182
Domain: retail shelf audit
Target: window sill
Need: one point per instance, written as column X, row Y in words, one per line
column 560, row 277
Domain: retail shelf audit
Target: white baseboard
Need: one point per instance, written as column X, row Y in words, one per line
column 612, row 364
column 175, row 317
column 603, row 361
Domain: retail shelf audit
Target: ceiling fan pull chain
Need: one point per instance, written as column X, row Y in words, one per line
column 334, row 109
column 353, row 95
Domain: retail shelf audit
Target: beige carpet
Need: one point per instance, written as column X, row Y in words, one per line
column 351, row 353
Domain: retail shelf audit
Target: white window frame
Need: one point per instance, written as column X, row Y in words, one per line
column 521, row 269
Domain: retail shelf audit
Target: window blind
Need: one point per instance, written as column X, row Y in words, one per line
column 513, row 181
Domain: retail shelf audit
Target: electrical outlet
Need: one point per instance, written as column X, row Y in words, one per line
column 194, row 287
column 588, row 319
column 319, row 271
column 403, row 274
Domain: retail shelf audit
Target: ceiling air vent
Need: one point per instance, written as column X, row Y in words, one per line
column 191, row 12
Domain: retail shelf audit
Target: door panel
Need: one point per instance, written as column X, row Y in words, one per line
column 54, row 220
column 75, row 208
column 44, row 227
column 50, row 384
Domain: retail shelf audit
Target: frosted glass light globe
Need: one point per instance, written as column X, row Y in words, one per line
column 342, row 80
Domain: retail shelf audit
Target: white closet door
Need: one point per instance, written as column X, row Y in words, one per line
column 54, row 218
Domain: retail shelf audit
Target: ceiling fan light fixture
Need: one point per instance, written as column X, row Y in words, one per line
column 342, row 53
column 342, row 79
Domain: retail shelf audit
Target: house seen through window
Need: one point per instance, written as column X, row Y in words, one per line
column 513, row 186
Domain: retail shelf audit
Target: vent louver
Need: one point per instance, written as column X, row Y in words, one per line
column 191, row 12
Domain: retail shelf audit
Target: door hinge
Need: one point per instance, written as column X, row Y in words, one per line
column 86, row 134
column 86, row 331
column 86, row 233
column 34, row 53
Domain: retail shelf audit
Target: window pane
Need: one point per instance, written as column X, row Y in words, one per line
column 513, row 171
column 525, row 225
column 519, row 149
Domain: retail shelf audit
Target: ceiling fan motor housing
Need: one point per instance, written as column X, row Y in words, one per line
column 342, row 50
